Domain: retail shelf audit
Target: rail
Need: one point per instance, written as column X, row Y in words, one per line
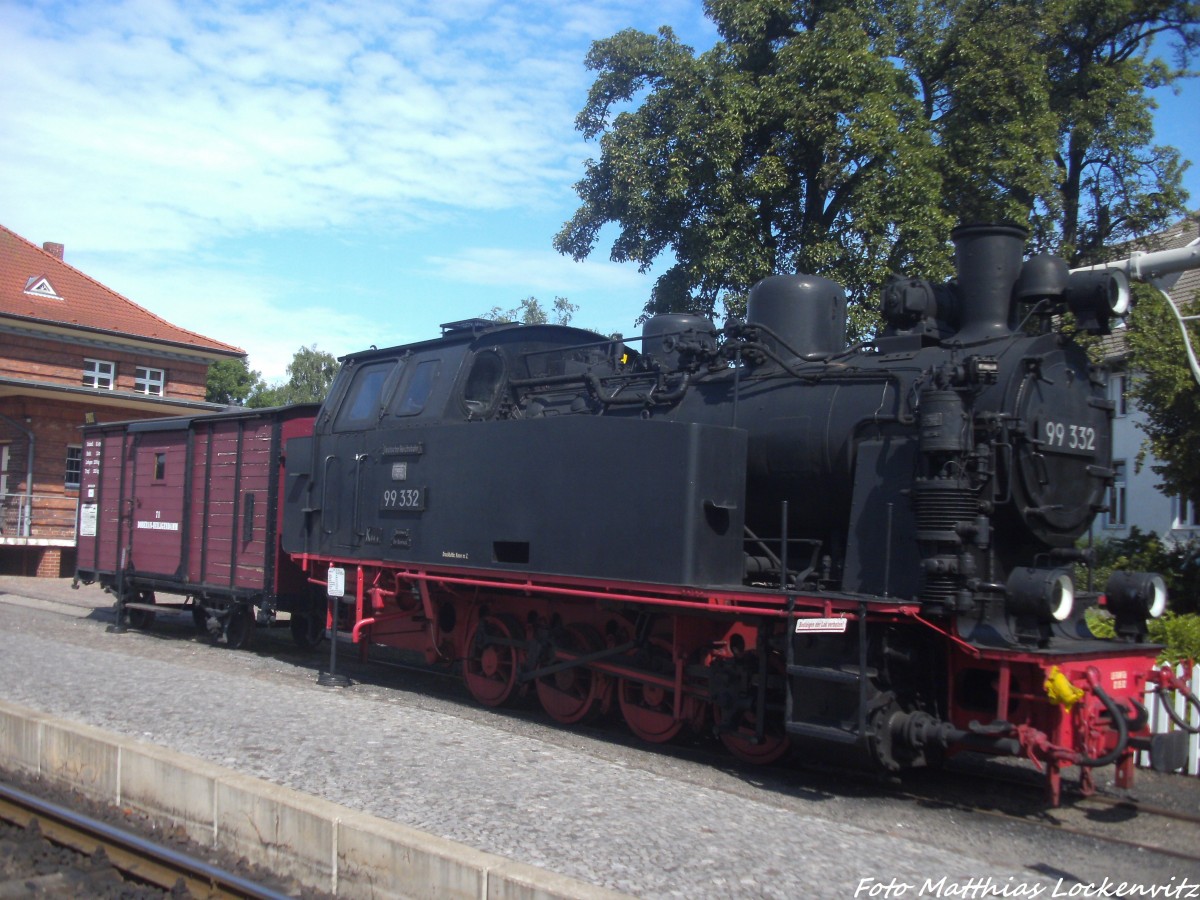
column 1160, row 719
column 37, row 518
column 145, row 860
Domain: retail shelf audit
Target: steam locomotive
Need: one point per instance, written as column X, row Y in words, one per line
column 864, row 552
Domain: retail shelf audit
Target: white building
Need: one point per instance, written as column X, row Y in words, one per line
column 1134, row 499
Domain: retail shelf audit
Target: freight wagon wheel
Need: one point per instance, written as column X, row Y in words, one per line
column 207, row 625
column 490, row 666
column 570, row 695
column 141, row 619
column 200, row 619
column 649, row 709
column 740, row 741
column 239, row 627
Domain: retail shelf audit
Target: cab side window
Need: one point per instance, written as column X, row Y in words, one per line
column 483, row 383
column 364, row 400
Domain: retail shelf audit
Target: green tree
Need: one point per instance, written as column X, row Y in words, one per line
column 1042, row 113
column 1166, row 392
column 530, row 312
column 310, row 373
column 1178, row 562
column 1114, row 182
column 845, row 138
column 231, row 381
column 793, row 144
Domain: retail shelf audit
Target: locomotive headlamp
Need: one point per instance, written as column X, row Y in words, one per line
column 1140, row 594
column 1097, row 296
column 1045, row 594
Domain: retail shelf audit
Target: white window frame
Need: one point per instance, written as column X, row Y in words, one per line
column 98, row 371
column 147, row 380
column 1185, row 514
column 1120, row 398
column 74, row 466
column 1117, row 496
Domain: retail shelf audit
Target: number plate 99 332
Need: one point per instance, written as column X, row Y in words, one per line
column 403, row 499
column 1066, row 437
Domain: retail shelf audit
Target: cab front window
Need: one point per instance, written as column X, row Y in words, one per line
column 364, row 400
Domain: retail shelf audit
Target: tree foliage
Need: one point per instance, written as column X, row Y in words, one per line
column 1114, row 182
column 530, row 312
column 845, row 138
column 1166, row 392
column 231, row 381
column 310, row 373
column 1178, row 562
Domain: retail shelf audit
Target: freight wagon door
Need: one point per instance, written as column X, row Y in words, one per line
column 159, row 479
column 234, row 467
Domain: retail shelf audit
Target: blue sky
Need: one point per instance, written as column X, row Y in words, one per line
column 337, row 173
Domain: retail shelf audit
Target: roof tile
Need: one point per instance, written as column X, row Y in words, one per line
column 79, row 300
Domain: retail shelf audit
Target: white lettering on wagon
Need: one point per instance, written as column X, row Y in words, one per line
column 154, row 525
column 832, row 625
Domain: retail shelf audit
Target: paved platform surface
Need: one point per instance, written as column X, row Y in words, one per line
column 412, row 749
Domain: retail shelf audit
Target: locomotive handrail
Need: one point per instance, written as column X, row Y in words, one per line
column 325, row 493
column 768, row 603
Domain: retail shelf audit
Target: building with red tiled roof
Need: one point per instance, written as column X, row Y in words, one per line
column 73, row 351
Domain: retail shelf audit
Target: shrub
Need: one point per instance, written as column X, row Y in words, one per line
column 1180, row 634
column 1178, row 563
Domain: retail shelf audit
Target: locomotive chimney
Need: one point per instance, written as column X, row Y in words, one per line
column 988, row 261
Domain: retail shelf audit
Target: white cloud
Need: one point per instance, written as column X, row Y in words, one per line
column 237, row 119
column 260, row 314
column 163, row 141
column 535, row 271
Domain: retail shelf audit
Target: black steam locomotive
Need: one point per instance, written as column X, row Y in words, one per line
column 865, row 552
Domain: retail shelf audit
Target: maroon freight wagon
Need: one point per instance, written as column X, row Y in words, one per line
column 190, row 506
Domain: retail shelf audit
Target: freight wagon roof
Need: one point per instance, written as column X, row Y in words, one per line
column 39, row 287
column 175, row 423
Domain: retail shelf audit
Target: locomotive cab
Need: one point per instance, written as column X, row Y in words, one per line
column 414, row 442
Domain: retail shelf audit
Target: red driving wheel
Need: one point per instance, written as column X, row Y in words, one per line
column 571, row 695
column 492, row 660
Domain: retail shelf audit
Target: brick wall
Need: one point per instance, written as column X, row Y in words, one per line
column 59, row 362
column 56, row 426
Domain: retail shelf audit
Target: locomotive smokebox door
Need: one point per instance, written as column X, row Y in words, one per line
column 1066, row 456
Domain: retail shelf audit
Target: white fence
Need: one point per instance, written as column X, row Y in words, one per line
column 1160, row 721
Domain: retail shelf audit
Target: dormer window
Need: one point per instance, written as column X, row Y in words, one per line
column 40, row 286
column 99, row 373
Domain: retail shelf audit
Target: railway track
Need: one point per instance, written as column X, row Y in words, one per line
column 1110, row 818
column 146, row 868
